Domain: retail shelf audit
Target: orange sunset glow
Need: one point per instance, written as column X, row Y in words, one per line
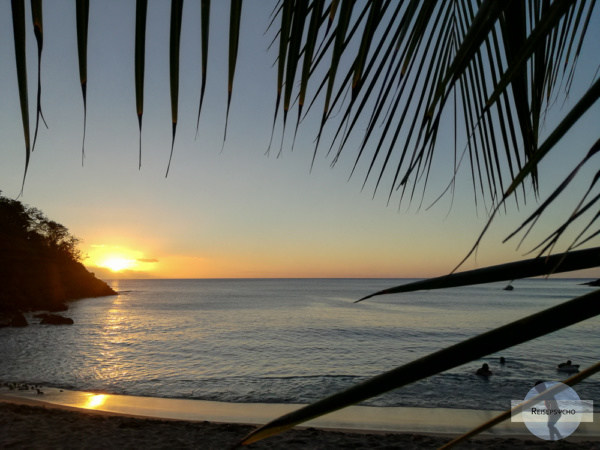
column 117, row 263
column 118, row 259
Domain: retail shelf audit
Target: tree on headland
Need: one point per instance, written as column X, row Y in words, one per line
column 28, row 226
column 394, row 74
column 40, row 267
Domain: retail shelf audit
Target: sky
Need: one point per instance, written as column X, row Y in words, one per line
column 224, row 210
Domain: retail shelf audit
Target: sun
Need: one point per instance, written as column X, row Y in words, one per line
column 119, row 260
column 117, row 263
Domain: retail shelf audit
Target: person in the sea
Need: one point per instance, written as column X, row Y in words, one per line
column 484, row 371
column 502, row 360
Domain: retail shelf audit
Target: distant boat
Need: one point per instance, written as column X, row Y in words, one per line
column 509, row 287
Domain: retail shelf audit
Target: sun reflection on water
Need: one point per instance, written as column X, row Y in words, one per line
column 115, row 343
column 95, row 401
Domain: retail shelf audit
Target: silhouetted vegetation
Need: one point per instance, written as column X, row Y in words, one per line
column 40, row 266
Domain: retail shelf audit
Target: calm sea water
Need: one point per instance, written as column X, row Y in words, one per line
column 295, row 341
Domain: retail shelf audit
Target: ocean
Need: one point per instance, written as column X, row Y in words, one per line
column 295, row 341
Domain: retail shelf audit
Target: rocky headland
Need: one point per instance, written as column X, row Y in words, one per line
column 39, row 265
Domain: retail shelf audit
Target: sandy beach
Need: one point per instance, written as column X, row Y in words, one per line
column 29, row 423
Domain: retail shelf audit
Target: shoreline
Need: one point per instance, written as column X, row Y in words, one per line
column 103, row 420
column 28, row 426
column 358, row 418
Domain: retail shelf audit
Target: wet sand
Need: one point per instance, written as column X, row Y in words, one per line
column 28, row 422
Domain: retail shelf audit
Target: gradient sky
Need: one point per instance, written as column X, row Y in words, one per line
column 232, row 211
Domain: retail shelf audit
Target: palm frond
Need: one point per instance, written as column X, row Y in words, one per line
column 586, row 102
column 140, row 63
column 284, row 37
column 235, row 17
column 504, row 76
column 176, row 16
column 535, row 267
column 82, row 12
column 582, row 35
column 316, row 12
column 18, row 19
column 38, row 30
column 294, row 46
column 205, row 19
column 552, row 197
